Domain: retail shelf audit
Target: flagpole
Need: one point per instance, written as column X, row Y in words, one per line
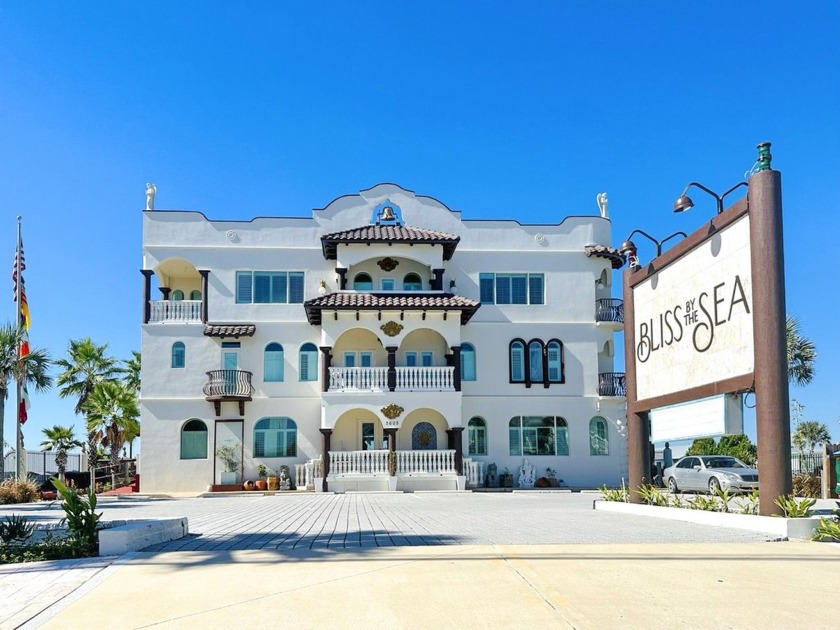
column 20, row 454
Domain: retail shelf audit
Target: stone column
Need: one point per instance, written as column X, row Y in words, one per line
column 437, row 281
column 342, row 277
column 204, row 277
column 455, row 440
column 392, row 367
column 165, row 291
column 456, row 363
column 147, row 294
column 326, row 352
column 325, row 456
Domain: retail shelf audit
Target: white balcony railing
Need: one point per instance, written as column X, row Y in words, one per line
column 425, row 379
column 375, row 379
column 358, row 379
column 175, row 311
column 376, row 462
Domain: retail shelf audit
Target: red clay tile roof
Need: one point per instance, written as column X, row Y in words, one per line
column 353, row 301
column 605, row 251
column 230, row 330
column 389, row 234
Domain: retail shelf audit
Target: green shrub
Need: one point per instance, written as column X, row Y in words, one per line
column 651, row 495
column 615, row 494
column 15, row 529
column 827, row 531
column 18, row 491
column 794, row 508
column 81, row 517
column 749, row 505
column 702, row 502
column 48, row 549
column 807, row 485
column 724, row 496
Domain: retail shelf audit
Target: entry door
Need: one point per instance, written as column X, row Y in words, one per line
column 230, row 363
column 368, row 436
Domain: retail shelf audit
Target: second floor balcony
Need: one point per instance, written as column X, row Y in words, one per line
column 405, row 379
column 180, row 311
column 612, row 384
column 228, row 385
column 609, row 310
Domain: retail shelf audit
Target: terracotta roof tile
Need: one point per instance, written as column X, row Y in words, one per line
column 229, row 330
column 605, row 251
column 389, row 234
column 351, row 300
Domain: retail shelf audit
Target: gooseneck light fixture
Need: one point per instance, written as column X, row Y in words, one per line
column 684, row 202
column 629, row 248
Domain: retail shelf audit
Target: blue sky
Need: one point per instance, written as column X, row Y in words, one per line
column 501, row 110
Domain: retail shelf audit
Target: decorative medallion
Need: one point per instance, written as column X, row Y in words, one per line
column 392, row 411
column 392, row 329
column 387, row 264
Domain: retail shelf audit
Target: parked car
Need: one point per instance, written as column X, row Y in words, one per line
column 707, row 473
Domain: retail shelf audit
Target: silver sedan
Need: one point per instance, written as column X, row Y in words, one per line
column 708, row 473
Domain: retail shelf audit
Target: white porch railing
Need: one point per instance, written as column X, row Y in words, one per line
column 474, row 472
column 352, row 379
column 305, row 474
column 409, row 462
column 359, row 462
column 175, row 311
column 425, row 379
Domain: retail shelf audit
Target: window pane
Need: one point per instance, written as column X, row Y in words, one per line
column 536, row 288
column 278, row 288
column 598, row 437
column 513, row 437
column 366, row 359
column 545, row 440
column 411, row 359
column 517, row 362
column 262, row 287
column 308, row 363
column 387, row 284
column 502, row 289
column 179, row 355
column 273, row 367
column 243, row 287
column 535, row 357
column 554, row 373
column 427, row 359
column 519, row 289
column 529, row 441
column 562, row 437
column 296, row 287
column 467, row 362
column 194, row 440
column 349, row 359
column 485, row 283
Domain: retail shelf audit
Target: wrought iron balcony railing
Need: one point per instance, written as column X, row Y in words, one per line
column 612, row 384
column 609, row 310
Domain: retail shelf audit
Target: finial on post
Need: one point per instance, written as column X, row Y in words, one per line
column 764, row 156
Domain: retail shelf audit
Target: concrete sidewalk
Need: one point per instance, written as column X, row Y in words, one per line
column 754, row 585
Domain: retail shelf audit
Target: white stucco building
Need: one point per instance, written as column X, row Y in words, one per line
column 383, row 334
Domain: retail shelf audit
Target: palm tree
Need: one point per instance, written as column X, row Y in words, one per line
column 131, row 372
column 12, row 367
column 86, row 366
column 810, row 433
column 60, row 439
column 801, row 354
column 112, row 414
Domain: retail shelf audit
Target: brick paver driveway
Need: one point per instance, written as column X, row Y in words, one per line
column 299, row 520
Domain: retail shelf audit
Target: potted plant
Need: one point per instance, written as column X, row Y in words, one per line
column 272, row 480
column 248, row 485
column 262, row 472
column 551, row 477
column 506, row 479
column 230, row 461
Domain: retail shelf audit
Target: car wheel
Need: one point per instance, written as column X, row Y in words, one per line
column 714, row 485
column 672, row 486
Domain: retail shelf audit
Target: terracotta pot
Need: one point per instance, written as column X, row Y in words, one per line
column 248, row 485
column 261, row 484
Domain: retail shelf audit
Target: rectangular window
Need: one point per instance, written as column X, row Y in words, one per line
column 512, row 288
column 365, row 359
column 411, row 359
column 349, row 359
column 387, row 284
column 269, row 287
column 427, row 359
column 368, row 442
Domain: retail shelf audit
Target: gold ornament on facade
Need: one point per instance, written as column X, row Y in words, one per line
column 392, row 329
column 392, row 411
column 387, row 263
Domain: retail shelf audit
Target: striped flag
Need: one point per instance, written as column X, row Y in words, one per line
column 24, row 322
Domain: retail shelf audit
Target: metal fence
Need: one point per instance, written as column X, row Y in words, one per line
column 43, row 462
column 806, row 462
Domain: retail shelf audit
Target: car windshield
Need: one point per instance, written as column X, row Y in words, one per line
column 723, row 462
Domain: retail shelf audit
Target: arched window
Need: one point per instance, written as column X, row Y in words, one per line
column 363, row 282
column 412, row 282
column 477, row 436
column 275, row 437
column 538, row 435
column 308, row 362
column 599, row 437
column 554, row 354
column 517, row 361
column 273, row 363
column 467, row 362
column 423, row 437
column 195, row 294
column 177, row 295
column 535, row 361
column 194, row 440
column 179, row 355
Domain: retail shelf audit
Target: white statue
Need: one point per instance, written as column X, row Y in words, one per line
column 151, row 190
column 527, row 475
column 601, row 198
